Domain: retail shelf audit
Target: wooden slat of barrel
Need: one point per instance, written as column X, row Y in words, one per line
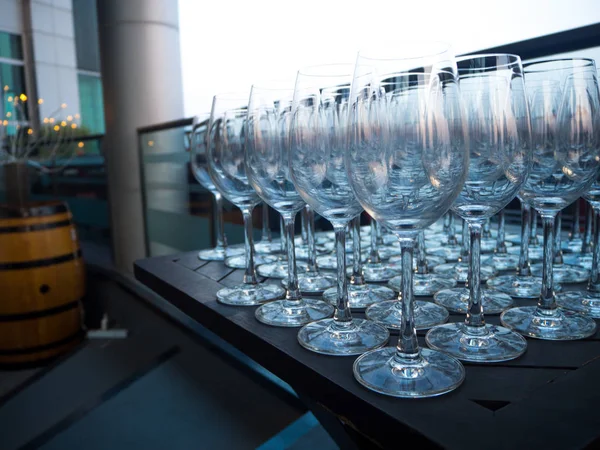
column 42, row 282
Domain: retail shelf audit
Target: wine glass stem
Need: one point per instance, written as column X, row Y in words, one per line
column 575, row 234
column 310, row 234
column 452, row 231
column 266, row 230
column 533, row 231
column 464, row 251
column 524, row 269
column 283, row 238
column 293, row 292
column 221, row 239
column 446, row 223
column 304, row 225
column 374, row 254
column 547, row 300
column 250, row 274
column 558, row 259
column 594, row 284
column 586, row 246
column 357, row 275
column 421, row 255
column 475, row 310
column 342, row 310
column 486, row 229
column 408, row 346
column 500, row 244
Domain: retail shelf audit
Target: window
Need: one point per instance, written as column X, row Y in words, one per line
column 86, row 35
column 90, row 103
column 12, row 78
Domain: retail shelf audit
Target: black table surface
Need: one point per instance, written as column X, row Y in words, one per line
column 548, row 398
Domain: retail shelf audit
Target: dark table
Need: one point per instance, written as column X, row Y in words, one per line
column 548, row 398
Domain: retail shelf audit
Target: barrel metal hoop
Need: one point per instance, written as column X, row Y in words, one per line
column 39, row 314
column 35, row 227
column 41, row 348
column 21, row 265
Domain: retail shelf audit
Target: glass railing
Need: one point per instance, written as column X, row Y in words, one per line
column 178, row 210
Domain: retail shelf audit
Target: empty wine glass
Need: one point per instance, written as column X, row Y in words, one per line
column 267, row 168
column 318, row 141
column 561, row 272
column 406, row 173
column 522, row 284
column 565, row 165
column 226, row 154
column 199, row 163
column 498, row 126
column 409, row 110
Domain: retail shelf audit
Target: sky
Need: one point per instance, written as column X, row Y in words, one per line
column 228, row 45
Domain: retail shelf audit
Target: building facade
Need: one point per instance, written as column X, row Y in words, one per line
column 49, row 52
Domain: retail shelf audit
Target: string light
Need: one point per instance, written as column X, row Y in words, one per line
column 8, row 114
column 30, row 131
column 56, row 128
column 10, row 99
column 6, row 87
column 45, row 120
column 5, row 123
column 80, row 145
column 69, row 118
column 77, row 116
column 150, row 143
column 63, row 106
column 23, row 97
column 40, row 101
column 51, row 120
column 63, row 124
column 73, row 125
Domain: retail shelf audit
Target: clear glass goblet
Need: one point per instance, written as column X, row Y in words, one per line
column 226, row 151
column 267, row 168
column 199, row 166
column 406, row 171
column 318, row 136
column 497, row 119
column 311, row 281
column 564, row 109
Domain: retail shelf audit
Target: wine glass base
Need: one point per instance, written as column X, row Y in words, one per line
column 582, row 302
column 572, row 245
column 504, row 261
column 489, row 343
column 278, row 269
column 460, row 270
column 235, row 250
column 286, row 313
column 579, row 259
column 432, row 261
column 554, row 325
column 389, row 251
column 389, row 314
column 378, row 272
column 302, row 251
column 564, row 273
column 449, row 253
column 239, row 262
column 329, row 262
column 457, row 300
column 250, row 294
column 424, row 284
column 329, row 337
column 263, row 246
column 312, row 283
column 212, row 254
column 361, row 295
column 429, row 375
column 517, row 286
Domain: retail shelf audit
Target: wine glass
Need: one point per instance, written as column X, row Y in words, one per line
column 498, row 126
column 199, row 166
column 311, row 281
column 409, row 106
column 318, row 141
column 406, row 174
column 267, row 168
column 226, row 154
column 566, row 163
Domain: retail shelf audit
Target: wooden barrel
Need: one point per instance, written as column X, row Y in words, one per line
column 42, row 282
